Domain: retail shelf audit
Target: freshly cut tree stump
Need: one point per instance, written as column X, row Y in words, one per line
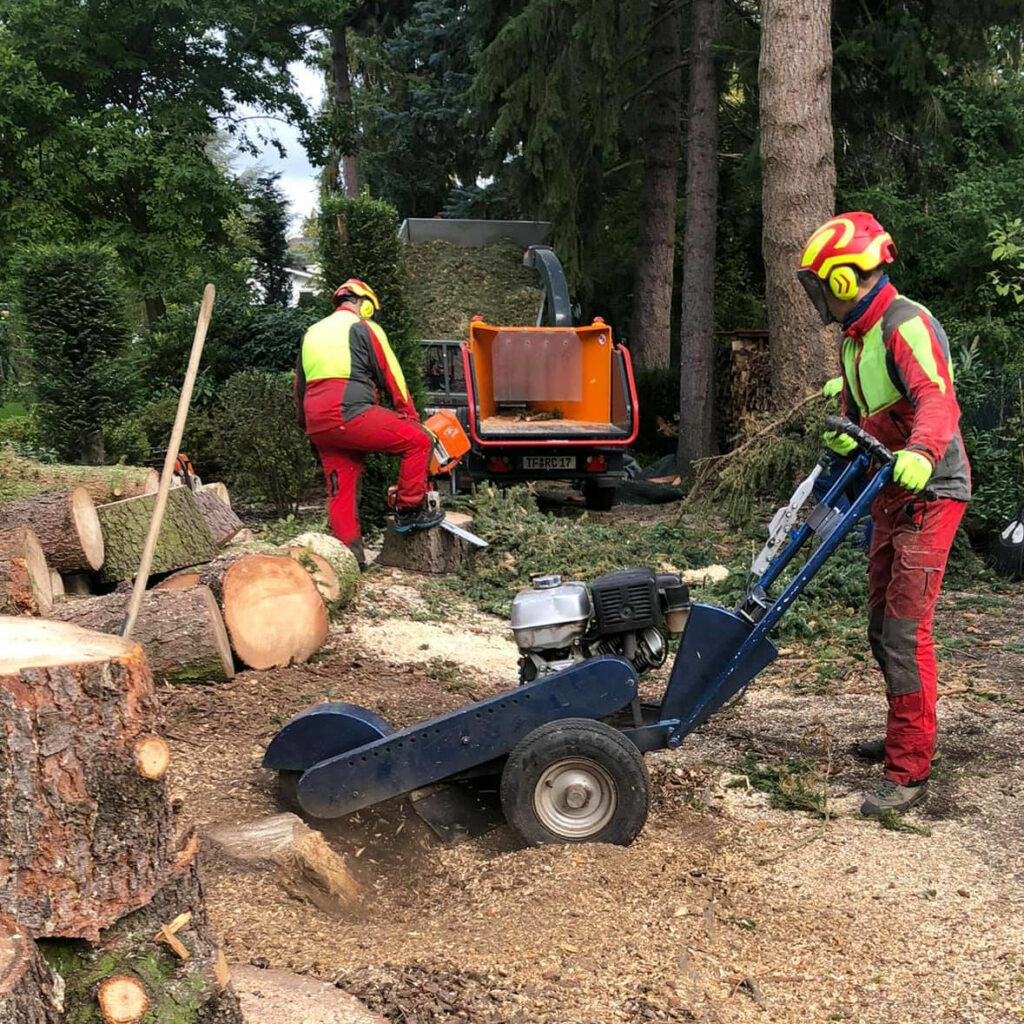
column 104, row 483
column 272, row 609
column 189, row 990
column 25, row 586
column 27, row 985
column 223, row 523
column 181, row 631
column 430, row 551
column 216, row 487
column 180, row 580
column 338, row 556
column 65, row 523
column 184, row 536
column 84, row 838
column 308, row 867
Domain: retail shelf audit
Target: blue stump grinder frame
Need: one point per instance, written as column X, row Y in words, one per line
column 350, row 758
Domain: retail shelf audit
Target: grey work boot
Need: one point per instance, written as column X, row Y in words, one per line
column 892, row 797
column 874, row 750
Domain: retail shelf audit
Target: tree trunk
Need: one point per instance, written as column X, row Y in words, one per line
column 798, row 190
column 104, row 483
column 184, row 536
column 181, row 631
column 184, row 980
column 25, row 585
column 273, row 612
column 216, row 487
column 28, row 992
column 84, row 837
column 223, row 523
column 431, row 551
column 652, row 287
column 338, row 556
column 65, row 523
column 697, row 319
column 341, row 96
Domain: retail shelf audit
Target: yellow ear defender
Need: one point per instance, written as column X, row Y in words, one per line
column 843, row 283
column 366, row 309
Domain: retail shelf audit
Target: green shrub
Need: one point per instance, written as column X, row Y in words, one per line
column 657, row 394
column 263, row 455
column 73, row 321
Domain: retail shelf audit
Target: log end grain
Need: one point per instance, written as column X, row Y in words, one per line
column 122, row 1000
column 153, row 757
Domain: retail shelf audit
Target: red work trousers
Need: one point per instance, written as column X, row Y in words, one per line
column 343, row 450
column 909, row 550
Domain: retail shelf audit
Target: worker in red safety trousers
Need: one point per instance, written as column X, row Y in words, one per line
column 897, row 383
column 346, row 363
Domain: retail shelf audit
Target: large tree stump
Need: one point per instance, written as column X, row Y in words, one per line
column 65, row 523
column 184, row 536
column 430, row 551
column 221, row 520
column 337, row 556
column 25, row 585
column 104, row 483
column 84, row 837
column 272, row 609
column 181, row 631
column 184, row 980
column 27, row 987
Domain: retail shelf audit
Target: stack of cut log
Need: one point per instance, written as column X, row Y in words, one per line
column 213, row 602
column 90, row 842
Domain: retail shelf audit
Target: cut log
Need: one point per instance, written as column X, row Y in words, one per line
column 272, row 609
column 153, row 757
column 223, row 523
column 178, row 989
column 84, row 838
column 430, row 551
column 180, row 580
column 104, row 483
column 28, row 993
column 122, row 1000
column 65, row 523
column 216, row 487
column 338, row 556
column 77, row 584
column 244, row 536
column 25, row 587
column 56, row 584
column 184, row 536
column 320, row 572
column 181, row 631
column 308, row 867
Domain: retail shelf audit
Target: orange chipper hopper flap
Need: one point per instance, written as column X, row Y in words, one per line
column 450, row 441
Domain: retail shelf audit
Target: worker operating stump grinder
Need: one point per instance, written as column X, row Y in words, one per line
column 568, row 742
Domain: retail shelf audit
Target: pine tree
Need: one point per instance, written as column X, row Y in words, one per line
column 268, row 226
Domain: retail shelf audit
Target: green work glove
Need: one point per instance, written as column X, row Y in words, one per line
column 912, row 470
column 832, row 387
column 841, row 444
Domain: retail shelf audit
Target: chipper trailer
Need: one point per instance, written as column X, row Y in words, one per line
column 568, row 741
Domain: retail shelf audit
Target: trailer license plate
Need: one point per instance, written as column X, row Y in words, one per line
column 549, row 462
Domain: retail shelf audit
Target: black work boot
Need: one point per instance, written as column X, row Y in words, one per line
column 419, row 518
column 890, row 796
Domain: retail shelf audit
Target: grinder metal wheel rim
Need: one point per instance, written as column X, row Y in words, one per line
column 575, row 798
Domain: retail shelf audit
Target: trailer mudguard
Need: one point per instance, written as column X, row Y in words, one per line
column 320, row 732
column 463, row 739
column 699, row 684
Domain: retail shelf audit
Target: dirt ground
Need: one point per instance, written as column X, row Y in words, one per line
column 728, row 908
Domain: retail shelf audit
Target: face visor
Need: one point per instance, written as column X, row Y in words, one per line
column 817, row 292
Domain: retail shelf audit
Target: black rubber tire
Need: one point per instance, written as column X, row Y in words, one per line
column 566, row 740
column 599, row 498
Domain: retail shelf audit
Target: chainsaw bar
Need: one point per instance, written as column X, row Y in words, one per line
column 470, row 538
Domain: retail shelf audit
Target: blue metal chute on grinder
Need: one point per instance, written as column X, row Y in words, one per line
column 321, row 732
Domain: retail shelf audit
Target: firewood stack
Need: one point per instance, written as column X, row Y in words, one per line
column 213, row 603
column 94, row 861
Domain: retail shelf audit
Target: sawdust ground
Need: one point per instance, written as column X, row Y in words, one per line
column 726, row 909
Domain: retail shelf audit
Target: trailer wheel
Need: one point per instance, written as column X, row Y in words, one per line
column 599, row 497
column 575, row 781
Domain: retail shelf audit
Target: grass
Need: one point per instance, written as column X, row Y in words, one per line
column 12, row 410
column 895, row 822
column 796, row 784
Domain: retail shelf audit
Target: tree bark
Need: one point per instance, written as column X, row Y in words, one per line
column 180, row 580
column 66, row 524
column 27, row 986
column 433, row 551
column 223, row 523
column 184, row 536
column 650, row 341
column 341, row 96
column 697, row 319
column 273, row 612
column 181, row 631
column 25, row 585
column 338, row 556
column 104, row 483
column 84, row 838
column 798, row 189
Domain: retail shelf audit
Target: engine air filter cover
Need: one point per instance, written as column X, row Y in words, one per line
column 626, row 601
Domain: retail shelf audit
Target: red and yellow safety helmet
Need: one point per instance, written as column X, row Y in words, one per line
column 369, row 304
column 843, row 246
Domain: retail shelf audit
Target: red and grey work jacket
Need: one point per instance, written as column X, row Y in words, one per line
column 898, row 384
column 345, row 364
